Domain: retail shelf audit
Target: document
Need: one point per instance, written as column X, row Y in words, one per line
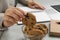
column 41, row 16
column 55, row 16
column 27, row 9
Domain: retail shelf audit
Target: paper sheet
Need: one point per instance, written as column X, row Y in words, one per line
column 55, row 16
column 27, row 9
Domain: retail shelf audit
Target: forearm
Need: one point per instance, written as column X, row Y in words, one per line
column 24, row 2
column 3, row 6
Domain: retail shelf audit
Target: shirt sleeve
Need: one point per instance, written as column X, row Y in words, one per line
column 3, row 6
column 1, row 21
column 24, row 2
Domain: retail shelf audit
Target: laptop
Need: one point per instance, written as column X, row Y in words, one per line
column 56, row 7
column 52, row 8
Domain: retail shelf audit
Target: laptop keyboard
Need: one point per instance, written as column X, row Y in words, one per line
column 51, row 12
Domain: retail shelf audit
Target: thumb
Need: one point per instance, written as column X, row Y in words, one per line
column 7, row 23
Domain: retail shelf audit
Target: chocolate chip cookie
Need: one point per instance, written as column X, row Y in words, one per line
column 29, row 20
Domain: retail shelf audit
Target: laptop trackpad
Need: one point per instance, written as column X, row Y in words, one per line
column 56, row 7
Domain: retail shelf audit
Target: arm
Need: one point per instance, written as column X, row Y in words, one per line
column 31, row 4
column 3, row 6
column 24, row 2
column 10, row 17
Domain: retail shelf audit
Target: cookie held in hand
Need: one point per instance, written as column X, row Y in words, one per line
column 29, row 20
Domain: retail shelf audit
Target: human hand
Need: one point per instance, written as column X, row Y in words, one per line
column 35, row 5
column 12, row 16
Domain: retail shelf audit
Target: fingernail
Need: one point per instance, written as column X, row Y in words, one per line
column 43, row 8
column 23, row 16
column 25, row 13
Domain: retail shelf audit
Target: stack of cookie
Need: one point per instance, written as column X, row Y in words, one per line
column 33, row 30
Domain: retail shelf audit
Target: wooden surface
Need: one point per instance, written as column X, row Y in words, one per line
column 55, row 28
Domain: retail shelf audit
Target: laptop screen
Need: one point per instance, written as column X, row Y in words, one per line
column 56, row 7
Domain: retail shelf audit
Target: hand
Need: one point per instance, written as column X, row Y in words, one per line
column 12, row 16
column 35, row 5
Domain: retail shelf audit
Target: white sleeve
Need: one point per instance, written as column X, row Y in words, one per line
column 10, row 2
column 24, row 2
column 1, row 21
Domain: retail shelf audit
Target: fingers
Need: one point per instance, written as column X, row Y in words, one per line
column 35, row 5
column 24, row 13
column 31, row 5
column 40, row 6
column 20, row 19
column 20, row 14
column 17, row 12
column 13, row 15
column 8, row 21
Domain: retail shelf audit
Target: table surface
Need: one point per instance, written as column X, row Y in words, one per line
column 15, row 32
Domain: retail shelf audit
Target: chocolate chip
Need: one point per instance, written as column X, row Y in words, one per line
column 43, row 31
column 38, row 25
column 44, row 26
column 32, row 18
column 58, row 22
column 31, row 23
column 29, row 28
column 31, row 34
column 40, row 28
column 25, row 29
column 27, row 17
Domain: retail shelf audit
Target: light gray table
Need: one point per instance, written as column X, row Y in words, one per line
column 14, row 32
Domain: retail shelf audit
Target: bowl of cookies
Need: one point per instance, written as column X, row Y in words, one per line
column 33, row 30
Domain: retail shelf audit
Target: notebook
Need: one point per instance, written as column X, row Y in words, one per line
column 41, row 15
